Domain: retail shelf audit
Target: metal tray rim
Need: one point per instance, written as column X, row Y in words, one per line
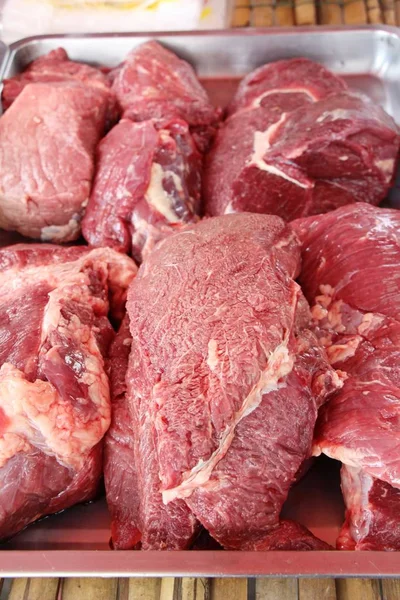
column 104, row 563
column 234, row 32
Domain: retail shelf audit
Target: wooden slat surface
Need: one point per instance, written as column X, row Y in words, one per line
column 190, row 588
column 317, row 589
column 358, row 589
column 285, row 13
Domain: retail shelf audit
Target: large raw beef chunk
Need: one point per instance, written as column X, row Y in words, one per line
column 57, row 67
column 147, row 183
column 54, row 391
column 47, row 142
column 351, row 273
column 153, row 83
column 298, row 143
column 52, row 67
column 223, row 386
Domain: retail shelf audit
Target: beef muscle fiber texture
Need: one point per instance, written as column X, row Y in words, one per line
column 297, row 142
column 223, row 386
column 351, row 275
column 147, row 184
column 153, row 83
column 47, row 142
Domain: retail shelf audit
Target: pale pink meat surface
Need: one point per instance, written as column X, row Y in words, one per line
column 57, row 67
column 47, row 142
column 223, row 384
column 54, row 391
column 153, row 83
column 350, row 275
column 147, row 183
column 298, row 143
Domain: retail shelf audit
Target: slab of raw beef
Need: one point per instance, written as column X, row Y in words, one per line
column 223, row 386
column 47, row 142
column 57, row 67
column 54, row 391
column 153, row 83
column 147, row 181
column 351, row 274
column 298, row 143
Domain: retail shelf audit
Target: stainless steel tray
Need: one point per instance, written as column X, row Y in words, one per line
column 4, row 52
column 76, row 542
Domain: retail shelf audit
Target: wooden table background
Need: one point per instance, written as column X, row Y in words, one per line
column 200, row 589
column 254, row 13
column 287, row 13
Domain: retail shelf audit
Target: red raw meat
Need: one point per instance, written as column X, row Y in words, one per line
column 121, row 483
column 57, row 67
column 54, row 392
column 47, row 142
column 351, row 275
column 303, row 80
column 223, row 386
column 298, row 143
column 147, row 183
column 153, row 83
column 372, row 513
column 289, row 535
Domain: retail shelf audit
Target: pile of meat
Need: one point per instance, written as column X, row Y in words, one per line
column 351, row 275
column 200, row 384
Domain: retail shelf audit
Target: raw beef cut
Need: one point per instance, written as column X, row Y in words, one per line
column 223, row 386
column 303, row 80
column 119, row 471
column 47, row 142
column 351, row 274
column 372, row 513
column 298, row 143
column 147, row 180
column 153, row 83
column 56, row 67
column 54, row 391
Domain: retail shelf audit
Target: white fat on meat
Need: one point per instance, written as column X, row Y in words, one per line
column 341, row 352
column 261, row 145
column 35, row 415
column 157, row 197
column 62, row 233
column 387, row 167
column 356, row 486
column 279, row 365
column 336, row 115
column 294, row 90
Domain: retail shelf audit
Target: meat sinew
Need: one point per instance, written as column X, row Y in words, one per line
column 153, row 83
column 223, row 386
column 147, row 180
column 47, row 142
column 298, row 143
column 54, row 391
column 351, row 274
